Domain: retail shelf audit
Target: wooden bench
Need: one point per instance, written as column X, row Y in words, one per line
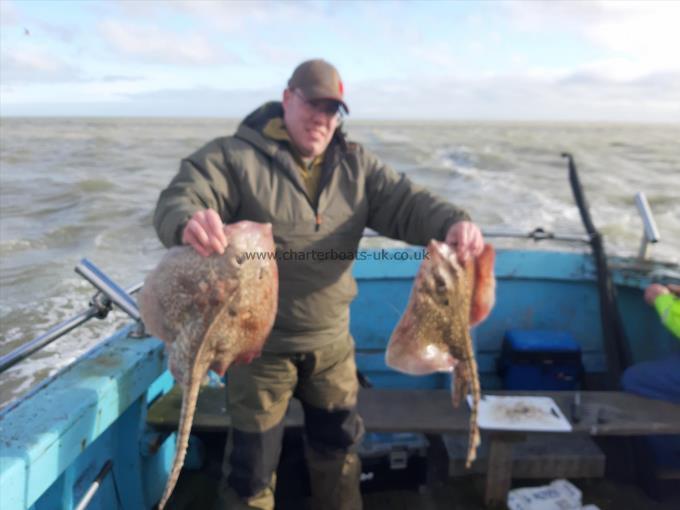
column 431, row 412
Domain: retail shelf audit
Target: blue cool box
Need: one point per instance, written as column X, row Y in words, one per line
column 540, row 360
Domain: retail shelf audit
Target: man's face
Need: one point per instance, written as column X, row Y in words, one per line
column 310, row 124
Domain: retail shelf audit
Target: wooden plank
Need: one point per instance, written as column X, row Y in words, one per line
column 667, row 473
column 381, row 410
column 602, row 413
column 539, row 456
column 499, row 469
column 615, row 413
column 430, row 411
column 211, row 411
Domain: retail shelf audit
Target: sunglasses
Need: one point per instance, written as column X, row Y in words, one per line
column 327, row 107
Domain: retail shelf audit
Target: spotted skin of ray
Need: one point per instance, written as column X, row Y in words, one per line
column 211, row 312
column 433, row 334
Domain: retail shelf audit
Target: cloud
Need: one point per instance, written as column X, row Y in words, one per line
column 153, row 44
column 141, row 9
column 8, row 13
column 112, row 78
column 440, row 56
column 569, row 97
column 201, row 102
column 227, row 16
column 196, row 103
column 642, row 32
column 231, row 16
column 10, row 16
column 264, row 31
column 61, row 33
column 531, row 16
column 35, row 65
column 577, row 96
column 239, row 15
column 625, row 68
column 648, row 31
column 653, row 98
column 280, row 57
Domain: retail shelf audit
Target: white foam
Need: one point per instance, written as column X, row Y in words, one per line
column 506, row 176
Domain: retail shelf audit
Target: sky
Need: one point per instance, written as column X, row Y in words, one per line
column 575, row 60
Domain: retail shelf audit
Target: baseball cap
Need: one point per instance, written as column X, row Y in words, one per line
column 318, row 79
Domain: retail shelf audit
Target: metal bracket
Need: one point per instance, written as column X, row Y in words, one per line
column 398, row 459
column 102, row 305
column 139, row 331
column 116, row 294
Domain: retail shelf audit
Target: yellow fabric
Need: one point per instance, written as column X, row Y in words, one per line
column 668, row 306
column 310, row 171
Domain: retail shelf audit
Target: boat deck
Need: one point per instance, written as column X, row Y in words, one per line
column 197, row 489
column 429, row 412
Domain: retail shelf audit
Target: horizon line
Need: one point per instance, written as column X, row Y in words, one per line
column 462, row 120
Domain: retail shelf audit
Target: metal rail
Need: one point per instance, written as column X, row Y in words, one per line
column 537, row 234
column 94, row 487
column 100, row 305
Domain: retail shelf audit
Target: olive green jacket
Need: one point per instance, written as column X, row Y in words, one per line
column 251, row 177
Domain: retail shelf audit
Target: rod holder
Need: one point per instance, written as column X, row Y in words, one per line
column 650, row 233
column 111, row 289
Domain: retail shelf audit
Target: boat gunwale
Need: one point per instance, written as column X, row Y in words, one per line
column 44, row 439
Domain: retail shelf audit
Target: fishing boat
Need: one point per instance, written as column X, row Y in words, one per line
column 84, row 438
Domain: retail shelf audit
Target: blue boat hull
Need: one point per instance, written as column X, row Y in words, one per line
column 56, row 440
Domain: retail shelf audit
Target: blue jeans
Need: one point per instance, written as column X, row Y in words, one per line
column 659, row 380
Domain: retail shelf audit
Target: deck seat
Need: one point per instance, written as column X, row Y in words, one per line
column 430, row 412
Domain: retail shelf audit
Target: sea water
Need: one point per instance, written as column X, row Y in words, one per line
column 85, row 187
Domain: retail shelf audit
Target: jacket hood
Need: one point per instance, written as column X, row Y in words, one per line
column 251, row 129
column 252, row 126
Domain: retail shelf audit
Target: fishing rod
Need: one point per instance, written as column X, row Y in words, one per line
column 616, row 343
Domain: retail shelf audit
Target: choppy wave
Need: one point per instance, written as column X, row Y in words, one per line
column 73, row 188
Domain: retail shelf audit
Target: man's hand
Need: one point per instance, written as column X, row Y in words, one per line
column 653, row 291
column 466, row 238
column 205, row 233
column 675, row 289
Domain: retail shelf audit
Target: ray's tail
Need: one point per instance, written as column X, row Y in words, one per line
column 483, row 298
column 466, row 379
column 186, row 419
column 474, row 439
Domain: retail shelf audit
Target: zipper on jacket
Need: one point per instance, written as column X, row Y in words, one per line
column 328, row 167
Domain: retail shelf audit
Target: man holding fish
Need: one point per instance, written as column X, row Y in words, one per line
column 290, row 164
